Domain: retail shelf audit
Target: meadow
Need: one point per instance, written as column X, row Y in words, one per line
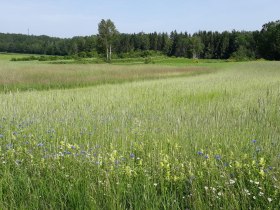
column 171, row 135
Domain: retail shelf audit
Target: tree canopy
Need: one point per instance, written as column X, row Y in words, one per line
column 241, row 45
column 106, row 34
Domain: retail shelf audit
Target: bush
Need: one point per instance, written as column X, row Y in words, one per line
column 148, row 60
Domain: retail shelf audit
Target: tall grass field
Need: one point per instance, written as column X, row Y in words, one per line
column 160, row 136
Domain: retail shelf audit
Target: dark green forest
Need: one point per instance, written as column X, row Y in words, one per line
column 239, row 45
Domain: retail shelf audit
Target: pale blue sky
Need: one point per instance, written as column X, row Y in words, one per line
column 67, row 18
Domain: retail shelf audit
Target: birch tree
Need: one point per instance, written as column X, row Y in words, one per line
column 107, row 31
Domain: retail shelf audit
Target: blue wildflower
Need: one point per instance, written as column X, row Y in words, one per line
column 200, row 153
column 206, row 157
column 132, row 155
column 40, row 144
column 67, row 153
column 218, row 157
column 9, row 146
column 83, row 152
column 254, row 141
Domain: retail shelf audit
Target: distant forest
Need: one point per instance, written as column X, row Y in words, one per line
column 240, row 45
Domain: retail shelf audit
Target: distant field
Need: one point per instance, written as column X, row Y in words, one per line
column 171, row 138
column 35, row 75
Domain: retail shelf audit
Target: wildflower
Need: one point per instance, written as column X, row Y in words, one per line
column 261, row 193
column 206, row 157
column 257, row 183
column 67, row 153
column 220, row 193
column 155, row 184
column 132, row 155
column 206, row 188
column 218, row 157
column 231, row 181
column 200, row 153
column 262, row 173
column 9, row 146
column 269, row 200
column 247, row 192
column 254, row 141
column 254, row 197
column 40, row 144
column 128, row 171
column 213, row 189
column 262, row 161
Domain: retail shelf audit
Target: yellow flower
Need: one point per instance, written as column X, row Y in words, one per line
column 238, row 165
column 128, row 171
column 262, row 173
column 262, row 161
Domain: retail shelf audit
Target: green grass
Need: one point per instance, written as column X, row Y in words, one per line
column 35, row 75
column 171, row 143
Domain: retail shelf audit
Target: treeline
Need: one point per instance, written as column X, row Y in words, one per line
column 241, row 45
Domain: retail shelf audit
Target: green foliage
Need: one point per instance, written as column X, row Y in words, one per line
column 203, row 44
column 269, row 41
column 106, row 33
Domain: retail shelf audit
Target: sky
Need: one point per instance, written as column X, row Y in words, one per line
column 68, row 18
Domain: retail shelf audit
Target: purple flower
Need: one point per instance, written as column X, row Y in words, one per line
column 40, row 144
column 67, row 153
column 254, row 141
column 200, row 153
column 218, row 157
column 132, row 155
column 9, row 146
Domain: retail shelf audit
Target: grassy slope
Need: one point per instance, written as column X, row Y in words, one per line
column 173, row 143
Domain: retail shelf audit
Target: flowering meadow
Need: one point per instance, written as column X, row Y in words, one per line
column 208, row 141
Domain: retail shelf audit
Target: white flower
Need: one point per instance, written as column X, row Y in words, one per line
column 155, row 184
column 206, row 188
column 220, row 193
column 247, row 192
column 213, row 189
column 261, row 193
column 254, row 197
column 257, row 183
column 269, row 200
column 231, row 181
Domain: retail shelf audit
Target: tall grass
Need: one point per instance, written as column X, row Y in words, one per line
column 204, row 142
column 18, row 76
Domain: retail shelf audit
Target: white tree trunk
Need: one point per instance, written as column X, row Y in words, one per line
column 107, row 53
column 110, row 52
